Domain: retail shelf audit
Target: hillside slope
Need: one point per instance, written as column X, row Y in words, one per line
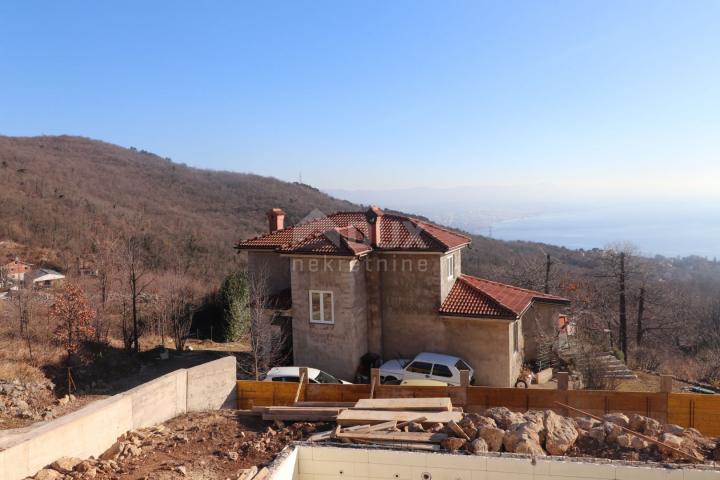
column 58, row 193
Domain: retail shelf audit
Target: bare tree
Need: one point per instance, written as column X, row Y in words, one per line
column 25, row 302
column 137, row 272
column 267, row 342
column 178, row 301
column 619, row 268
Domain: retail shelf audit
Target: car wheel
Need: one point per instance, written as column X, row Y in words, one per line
column 521, row 384
column 391, row 381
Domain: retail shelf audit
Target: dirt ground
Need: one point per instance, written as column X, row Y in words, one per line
column 203, row 446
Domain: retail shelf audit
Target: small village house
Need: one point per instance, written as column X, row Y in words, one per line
column 357, row 282
column 16, row 269
column 44, row 278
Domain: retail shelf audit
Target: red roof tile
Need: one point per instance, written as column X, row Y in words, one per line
column 348, row 233
column 477, row 297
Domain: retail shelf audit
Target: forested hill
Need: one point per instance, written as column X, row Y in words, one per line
column 60, row 194
column 65, row 200
column 57, row 194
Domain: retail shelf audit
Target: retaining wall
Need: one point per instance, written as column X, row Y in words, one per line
column 94, row 428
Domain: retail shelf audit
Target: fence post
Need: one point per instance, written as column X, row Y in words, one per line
column 465, row 378
column 666, row 383
column 563, row 379
column 374, row 380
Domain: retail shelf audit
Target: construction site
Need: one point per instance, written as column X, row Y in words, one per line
column 201, row 423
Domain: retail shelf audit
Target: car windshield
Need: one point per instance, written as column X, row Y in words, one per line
column 326, row 378
column 460, row 365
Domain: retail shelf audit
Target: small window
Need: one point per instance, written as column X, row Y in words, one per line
column 450, row 266
column 419, row 367
column 441, row 371
column 321, row 307
column 516, row 335
column 285, row 379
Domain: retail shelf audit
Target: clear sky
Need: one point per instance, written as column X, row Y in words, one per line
column 599, row 95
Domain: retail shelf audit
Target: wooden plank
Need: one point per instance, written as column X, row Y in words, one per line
column 356, row 417
column 297, row 417
column 325, row 404
column 373, row 428
column 414, row 437
column 442, row 404
column 414, row 420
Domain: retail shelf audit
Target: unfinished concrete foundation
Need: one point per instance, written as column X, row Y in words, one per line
column 306, row 461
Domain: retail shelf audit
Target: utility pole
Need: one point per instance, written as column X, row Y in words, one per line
column 548, row 264
column 623, row 310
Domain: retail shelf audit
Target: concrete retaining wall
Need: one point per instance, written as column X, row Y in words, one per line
column 93, row 429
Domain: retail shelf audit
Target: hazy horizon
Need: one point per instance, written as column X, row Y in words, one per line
column 656, row 225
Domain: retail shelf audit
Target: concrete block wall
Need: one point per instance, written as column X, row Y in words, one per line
column 327, row 463
column 94, row 428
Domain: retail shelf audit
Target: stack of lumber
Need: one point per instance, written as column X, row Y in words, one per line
column 300, row 413
column 398, row 422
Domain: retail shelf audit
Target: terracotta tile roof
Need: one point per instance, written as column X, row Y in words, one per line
column 477, row 297
column 346, row 233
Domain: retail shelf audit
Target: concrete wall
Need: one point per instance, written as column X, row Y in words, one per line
column 94, row 428
column 274, row 266
column 540, row 320
column 327, row 463
column 337, row 347
column 409, row 303
column 447, row 282
column 486, row 345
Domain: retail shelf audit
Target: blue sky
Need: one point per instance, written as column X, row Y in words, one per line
column 602, row 96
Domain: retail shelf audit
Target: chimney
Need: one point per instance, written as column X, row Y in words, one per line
column 374, row 216
column 276, row 219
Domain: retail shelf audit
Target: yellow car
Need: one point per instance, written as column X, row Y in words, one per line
column 419, row 382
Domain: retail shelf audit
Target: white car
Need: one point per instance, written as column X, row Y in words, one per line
column 292, row 374
column 431, row 366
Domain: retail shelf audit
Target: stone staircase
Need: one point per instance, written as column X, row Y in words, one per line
column 613, row 367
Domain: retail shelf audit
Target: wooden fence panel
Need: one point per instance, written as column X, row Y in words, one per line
column 695, row 410
column 336, row 393
column 253, row 393
column 688, row 410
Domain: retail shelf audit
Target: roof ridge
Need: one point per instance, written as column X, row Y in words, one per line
column 439, row 227
column 506, row 285
column 477, row 289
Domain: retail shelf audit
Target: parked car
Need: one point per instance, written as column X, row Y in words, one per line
column 432, row 366
column 292, row 374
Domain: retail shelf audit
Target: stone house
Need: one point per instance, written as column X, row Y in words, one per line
column 357, row 282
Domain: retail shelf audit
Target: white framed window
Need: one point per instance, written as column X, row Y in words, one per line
column 450, row 264
column 322, row 307
column 516, row 336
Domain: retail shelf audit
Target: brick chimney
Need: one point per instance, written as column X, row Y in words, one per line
column 276, row 219
column 374, row 216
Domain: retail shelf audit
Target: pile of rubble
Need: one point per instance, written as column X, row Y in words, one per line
column 26, row 400
column 132, row 452
column 541, row 433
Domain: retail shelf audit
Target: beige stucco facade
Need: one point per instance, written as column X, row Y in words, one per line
column 388, row 303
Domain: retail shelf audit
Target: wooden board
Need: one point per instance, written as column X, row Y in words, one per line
column 325, row 404
column 358, row 417
column 297, row 417
column 442, row 404
column 413, row 437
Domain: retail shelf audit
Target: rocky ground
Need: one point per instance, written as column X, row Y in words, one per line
column 541, row 433
column 24, row 403
column 202, row 446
